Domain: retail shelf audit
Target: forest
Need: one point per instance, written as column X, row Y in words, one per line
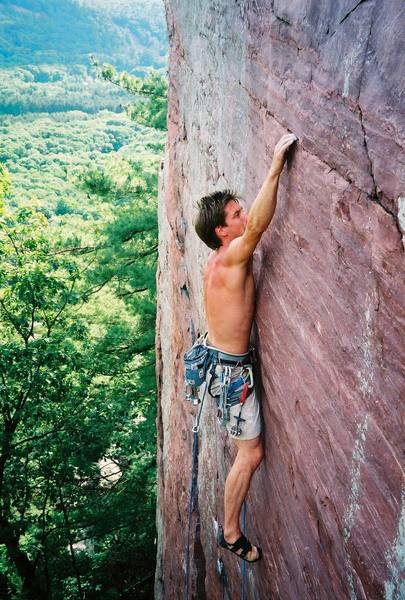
column 39, row 32
column 80, row 148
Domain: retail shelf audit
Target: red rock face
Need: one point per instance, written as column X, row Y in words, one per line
column 327, row 503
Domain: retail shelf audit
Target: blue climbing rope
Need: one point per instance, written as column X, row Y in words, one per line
column 193, row 492
column 191, row 505
column 244, row 565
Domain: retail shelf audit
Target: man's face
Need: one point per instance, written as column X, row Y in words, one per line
column 235, row 219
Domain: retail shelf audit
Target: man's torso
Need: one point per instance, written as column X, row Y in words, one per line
column 229, row 299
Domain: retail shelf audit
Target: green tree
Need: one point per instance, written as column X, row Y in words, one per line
column 150, row 108
column 77, row 359
column 43, row 385
column 72, row 391
column 4, row 186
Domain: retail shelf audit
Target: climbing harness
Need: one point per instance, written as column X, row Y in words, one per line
column 202, row 359
column 199, row 361
column 231, row 394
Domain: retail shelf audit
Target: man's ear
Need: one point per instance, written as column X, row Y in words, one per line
column 219, row 232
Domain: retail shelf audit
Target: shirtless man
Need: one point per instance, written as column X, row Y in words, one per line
column 229, row 307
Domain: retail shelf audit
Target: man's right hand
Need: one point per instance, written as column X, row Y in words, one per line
column 280, row 152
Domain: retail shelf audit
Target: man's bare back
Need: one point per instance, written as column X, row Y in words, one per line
column 229, row 301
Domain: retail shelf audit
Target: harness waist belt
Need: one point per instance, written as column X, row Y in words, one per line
column 229, row 359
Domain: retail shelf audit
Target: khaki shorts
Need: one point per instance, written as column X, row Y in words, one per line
column 251, row 426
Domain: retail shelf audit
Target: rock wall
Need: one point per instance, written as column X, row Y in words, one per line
column 327, row 504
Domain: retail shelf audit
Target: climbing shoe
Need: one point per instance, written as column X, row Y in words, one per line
column 241, row 547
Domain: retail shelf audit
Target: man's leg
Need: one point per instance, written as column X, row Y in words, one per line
column 248, row 458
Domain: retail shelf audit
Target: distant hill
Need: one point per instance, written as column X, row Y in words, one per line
column 37, row 32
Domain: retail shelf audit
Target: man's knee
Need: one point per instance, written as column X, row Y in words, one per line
column 251, row 451
column 258, row 455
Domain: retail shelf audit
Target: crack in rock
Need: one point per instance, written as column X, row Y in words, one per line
column 282, row 20
column 345, row 17
column 352, row 10
column 370, row 164
column 375, row 193
column 401, row 218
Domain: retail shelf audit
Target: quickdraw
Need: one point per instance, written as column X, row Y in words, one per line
column 230, row 395
column 235, row 429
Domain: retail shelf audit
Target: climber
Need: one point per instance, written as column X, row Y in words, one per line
column 229, row 302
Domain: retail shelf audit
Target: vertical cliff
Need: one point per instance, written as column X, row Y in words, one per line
column 327, row 504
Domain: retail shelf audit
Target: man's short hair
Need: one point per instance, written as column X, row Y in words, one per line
column 211, row 214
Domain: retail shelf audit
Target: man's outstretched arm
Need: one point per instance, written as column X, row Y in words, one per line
column 262, row 210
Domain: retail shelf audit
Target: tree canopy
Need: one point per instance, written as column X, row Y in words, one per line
column 77, row 400
column 78, row 241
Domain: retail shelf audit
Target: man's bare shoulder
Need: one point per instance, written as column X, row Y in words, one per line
column 241, row 249
column 236, row 254
column 216, row 265
column 220, row 268
column 218, row 259
column 210, row 261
